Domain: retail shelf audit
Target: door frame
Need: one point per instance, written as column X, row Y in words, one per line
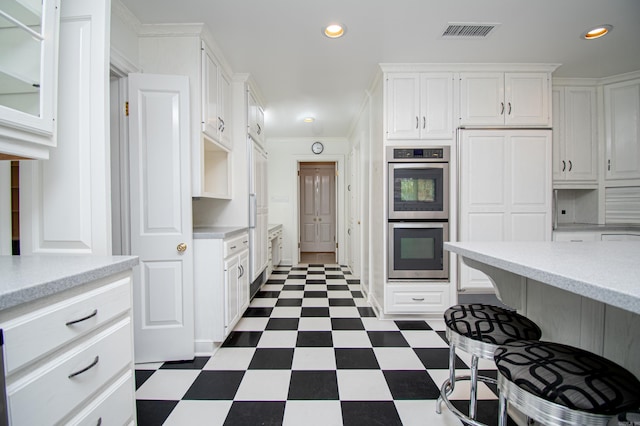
column 339, row 159
column 328, row 167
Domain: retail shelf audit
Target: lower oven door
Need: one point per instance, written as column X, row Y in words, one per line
column 416, row 250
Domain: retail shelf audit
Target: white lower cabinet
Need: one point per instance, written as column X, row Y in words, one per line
column 71, row 355
column 417, row 298
column 221, row 280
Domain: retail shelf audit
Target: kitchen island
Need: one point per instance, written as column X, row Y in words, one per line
column 583, row 294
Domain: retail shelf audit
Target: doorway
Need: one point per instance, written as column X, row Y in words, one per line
column 317, row 212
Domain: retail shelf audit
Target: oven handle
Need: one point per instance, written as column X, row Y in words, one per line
column 425, row 165
column 413, row 225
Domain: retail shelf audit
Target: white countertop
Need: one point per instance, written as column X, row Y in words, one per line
column 27, row 278
column 606, row 271
column 216, row 232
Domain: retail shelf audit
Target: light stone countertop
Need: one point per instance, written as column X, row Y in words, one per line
column 606, row 271
column 26, row 278
column 216, row 232
column 588, row 227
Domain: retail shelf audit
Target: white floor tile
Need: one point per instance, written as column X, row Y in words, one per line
column 312, row 413
column 264, row 385
column 296, row 281
column 314, row 324
column 437, row 324
column 350, row 339
column 315, row 302
column 167, row 384
column 421, row 413
column 363, row 385
column 263, row 302
column 483, row 364
column 199, row 413
column 251, row 324
column 291, row 294
column 337, row 294
column 278, row 339
column 149, row 366
column 424, row 339
column 272, row 287
column 398, row 359
column 230, row 359
column 344, row 312
column 314, row 359
column 361, row 302
column 286, row 312
column 375, row 324
column 462, row 388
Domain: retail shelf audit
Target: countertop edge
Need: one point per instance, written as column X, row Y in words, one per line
column 217, row 232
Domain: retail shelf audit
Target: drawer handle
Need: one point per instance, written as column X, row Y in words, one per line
column 418, row 299
column 88, row 367
column 99, row 422
column 233, row 247
column 91, row 315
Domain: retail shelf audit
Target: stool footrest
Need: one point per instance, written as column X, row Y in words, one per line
column 447, row 389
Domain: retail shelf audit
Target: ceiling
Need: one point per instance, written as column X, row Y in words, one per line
column 300, row 72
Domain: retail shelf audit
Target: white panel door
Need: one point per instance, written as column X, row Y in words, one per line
column 161, row 220
column 317, row 211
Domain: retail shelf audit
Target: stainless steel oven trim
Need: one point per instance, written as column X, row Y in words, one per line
column 417, row 275
column 446, row 189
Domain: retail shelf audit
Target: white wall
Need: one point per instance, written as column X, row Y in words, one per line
column 124, row 35
column 284, row 156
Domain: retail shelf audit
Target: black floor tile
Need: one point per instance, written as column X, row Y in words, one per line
column 274, row 281
column 257, row 312
column 314, row 339
column 296, row 277
column 218, row 385
column 387, row 339
column 437, row 358
column 152, row 412
column 366, row 312
column 312, row 281
column 494, row 375
column 356, row 359
column 315, row 273
column 279, row 272
column 243, row 339
column 346, row 324
column 293, row 287
column 313, row 385
column 367, row 413
column 341, row 302
column 315, row 294
column 411, row 384
column 289, row 302
column 196, row 364
column 315, row 312
column 282, row 324
column 352, row 281
column 264, row 413
column 142, row 376
column 443, row 334
column 267, row 294
column 357, row 294
column 299, row 268
column 413, row 325
column 316, row 265
column 337, row 287
column 332, row 268
column 486, row 411
column 334, row 277
column 272, row 359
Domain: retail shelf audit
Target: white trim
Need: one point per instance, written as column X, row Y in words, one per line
column 485, row 67
column 5, row 208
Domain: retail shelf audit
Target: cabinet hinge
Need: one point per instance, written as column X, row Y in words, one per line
column 126, row 109
column 336, row 245
column 337, row 174
column 298, row 172
column 298, row 245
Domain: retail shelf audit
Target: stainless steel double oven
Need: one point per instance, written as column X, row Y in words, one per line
column 418, row 213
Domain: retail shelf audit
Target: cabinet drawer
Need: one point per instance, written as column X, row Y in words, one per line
column 38, row 333
column 113, row 407
column 47, row 394
column 236, row 245
column 419, row 300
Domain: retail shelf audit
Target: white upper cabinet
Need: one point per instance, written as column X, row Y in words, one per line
column 575, row 147
column 216, row 100
column 420, row 106
column 505, row 99
column 256, row 119
column 28, row 77
column 622, row 123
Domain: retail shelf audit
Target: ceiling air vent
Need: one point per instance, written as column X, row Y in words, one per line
column 468, row 30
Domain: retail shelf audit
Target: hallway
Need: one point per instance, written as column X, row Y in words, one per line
column 310, row 351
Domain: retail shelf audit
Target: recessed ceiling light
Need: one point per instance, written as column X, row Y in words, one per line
column 597, row 32
column 334, row 30
column 308, row 119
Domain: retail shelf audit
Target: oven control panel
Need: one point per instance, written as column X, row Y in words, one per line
column 422, row 154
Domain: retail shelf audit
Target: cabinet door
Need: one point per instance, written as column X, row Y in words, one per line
column 581, row 150
column 256, row 119
column 243, row 282
column 436, row 110
column 403, row 106
column 210, row 95
column 482, row 98
column 526, row 99
column 559, row 158
column 622, row 115
column 231, row 293
column 224, row 109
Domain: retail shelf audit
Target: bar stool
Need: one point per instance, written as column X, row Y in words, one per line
column 560, row 385
column 479, row 330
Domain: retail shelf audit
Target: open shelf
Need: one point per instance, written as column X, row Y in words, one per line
column 217, row 170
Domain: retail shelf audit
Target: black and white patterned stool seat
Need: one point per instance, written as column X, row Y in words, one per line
column 490, row 324
column 569, row 377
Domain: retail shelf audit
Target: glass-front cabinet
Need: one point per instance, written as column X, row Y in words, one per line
column 28, row 77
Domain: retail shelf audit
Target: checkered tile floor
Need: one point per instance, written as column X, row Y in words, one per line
column 310, row 351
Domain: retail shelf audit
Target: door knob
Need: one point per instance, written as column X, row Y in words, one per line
column 319, row 219
column 181, row 247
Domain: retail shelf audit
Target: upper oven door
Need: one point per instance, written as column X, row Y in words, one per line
column 418, row 191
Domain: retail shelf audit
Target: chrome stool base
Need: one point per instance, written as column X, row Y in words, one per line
column 447, row 390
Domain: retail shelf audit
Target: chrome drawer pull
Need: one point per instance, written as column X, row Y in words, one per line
column 91, row 315
column 99, row 422
column 232, row 248
column 418, row 299
column 88, row 367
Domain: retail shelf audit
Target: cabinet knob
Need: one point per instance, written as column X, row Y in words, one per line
column 182, row 247
column 509, row 108
column 570, row 165
column 501, row 108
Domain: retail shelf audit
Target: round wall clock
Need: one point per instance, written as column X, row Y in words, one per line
column 317, row 147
